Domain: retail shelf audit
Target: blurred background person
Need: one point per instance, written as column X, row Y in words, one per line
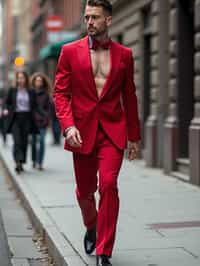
column 41, row 85
column 19, row 106
column 55, row 126
column 1, row 115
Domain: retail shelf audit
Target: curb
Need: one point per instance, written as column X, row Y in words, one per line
column 59, row 248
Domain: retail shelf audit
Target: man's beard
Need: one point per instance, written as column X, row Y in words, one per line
column 95, row 33
column 92, row 31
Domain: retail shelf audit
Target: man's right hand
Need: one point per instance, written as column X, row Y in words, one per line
column 73, row 137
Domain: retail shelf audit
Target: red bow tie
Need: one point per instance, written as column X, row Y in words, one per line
column 97, row 44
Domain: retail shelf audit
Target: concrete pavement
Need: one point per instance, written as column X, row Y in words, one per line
column 16, row 231
column 4, row 250
column 159, row 223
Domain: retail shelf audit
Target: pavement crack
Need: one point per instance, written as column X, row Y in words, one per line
column 190, row 253
column 158, row 232
column 59, row 206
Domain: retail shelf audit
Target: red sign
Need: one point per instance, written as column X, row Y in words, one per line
column 54, row 23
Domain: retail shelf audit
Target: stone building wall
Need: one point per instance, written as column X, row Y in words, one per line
column 164, row 37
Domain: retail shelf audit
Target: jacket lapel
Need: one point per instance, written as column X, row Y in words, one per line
column 85, row 64
column 115, row 53
column 14, row 98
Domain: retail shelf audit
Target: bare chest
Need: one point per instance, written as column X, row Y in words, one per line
column 101, row 63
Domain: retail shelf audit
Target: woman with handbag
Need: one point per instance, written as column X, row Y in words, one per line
column 41, row 86
column 20, row 103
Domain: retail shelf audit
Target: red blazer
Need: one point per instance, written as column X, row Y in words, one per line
column 77, row 103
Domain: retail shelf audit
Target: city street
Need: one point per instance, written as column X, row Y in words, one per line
column 159, row 223
column 132, row 67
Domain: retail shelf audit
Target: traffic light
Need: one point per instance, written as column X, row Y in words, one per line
column 19, row 61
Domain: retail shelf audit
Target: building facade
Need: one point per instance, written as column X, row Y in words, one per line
column 16, row 39
column 24, row 46
column 46, row 53
column 6, row 42
column 165, row 39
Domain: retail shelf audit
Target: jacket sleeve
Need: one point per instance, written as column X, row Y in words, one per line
column 62, row 91
column 130, row 101
column 8, row 102
column 47, row 106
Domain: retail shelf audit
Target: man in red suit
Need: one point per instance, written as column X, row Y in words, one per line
column 97, row 108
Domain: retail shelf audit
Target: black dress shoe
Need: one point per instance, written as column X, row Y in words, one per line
column 90, row 241
column 103, row 260
column 18, row 168
column 21, row 168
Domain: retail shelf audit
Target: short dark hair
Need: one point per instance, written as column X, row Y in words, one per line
column 105, row 4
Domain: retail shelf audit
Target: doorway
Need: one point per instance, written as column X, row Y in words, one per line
column 146, row 69
column 185, row 73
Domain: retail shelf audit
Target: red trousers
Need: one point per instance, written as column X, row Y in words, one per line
column 106, row 159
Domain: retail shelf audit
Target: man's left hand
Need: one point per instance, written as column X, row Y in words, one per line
column 133, row 150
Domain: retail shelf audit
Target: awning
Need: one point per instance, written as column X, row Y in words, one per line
column 53, row 50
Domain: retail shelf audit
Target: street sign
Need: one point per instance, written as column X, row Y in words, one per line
column 54, row 23
column 54, row 37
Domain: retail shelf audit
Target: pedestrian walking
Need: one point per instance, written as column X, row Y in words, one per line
column 41, row 115
column 2, row 118
column 19, row 106
column 97, row 108
column 55, row 126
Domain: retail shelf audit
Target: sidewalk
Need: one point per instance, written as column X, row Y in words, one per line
column 4, row 250
column 5, row 256
column 16, row 232
column 159, row 223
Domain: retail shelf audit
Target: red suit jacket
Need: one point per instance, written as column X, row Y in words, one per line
column 77, row 103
